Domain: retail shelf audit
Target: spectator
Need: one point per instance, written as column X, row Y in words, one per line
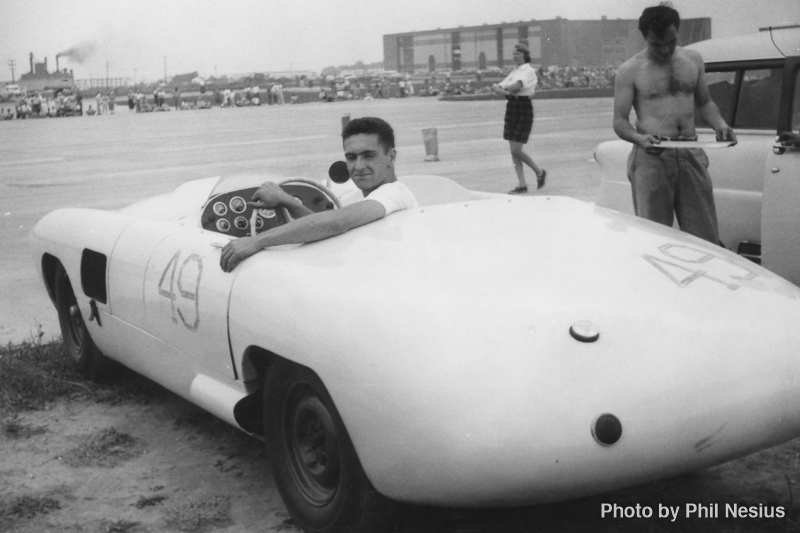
column 518, row 88
column 668, row 182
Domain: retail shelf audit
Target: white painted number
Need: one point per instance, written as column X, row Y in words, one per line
column 188, row 277
column 714, row 268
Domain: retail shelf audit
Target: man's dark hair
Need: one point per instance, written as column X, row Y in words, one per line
column 371, row 126
column 658, row 18
column 526, row 54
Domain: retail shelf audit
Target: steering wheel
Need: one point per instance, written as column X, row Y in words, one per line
column 321, row 200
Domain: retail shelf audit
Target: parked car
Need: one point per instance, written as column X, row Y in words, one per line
column 13, row 90
column 755, row 81
column 480, row 350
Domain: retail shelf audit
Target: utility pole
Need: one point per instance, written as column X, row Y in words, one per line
column 134, row 77
column 165, row 71
column 106, row 74
column 12, row 63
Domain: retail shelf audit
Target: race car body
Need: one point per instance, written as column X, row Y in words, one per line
column 480, row 350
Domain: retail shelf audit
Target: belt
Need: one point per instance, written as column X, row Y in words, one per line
column 515, row 97
column 679, row 138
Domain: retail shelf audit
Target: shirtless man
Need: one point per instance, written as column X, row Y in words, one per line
column 665, row 84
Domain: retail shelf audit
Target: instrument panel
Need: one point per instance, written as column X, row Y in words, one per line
column 229, row 213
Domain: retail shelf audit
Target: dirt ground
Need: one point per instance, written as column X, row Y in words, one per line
column 152, row 462
column 160, row 465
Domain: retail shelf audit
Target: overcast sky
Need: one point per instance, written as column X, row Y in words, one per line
column 220, row 37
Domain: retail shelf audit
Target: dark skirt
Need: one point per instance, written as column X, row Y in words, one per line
column 519, row 119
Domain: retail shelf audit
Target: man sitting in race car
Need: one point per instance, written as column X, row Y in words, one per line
column 370, row 155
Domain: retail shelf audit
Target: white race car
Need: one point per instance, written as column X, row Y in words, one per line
column 480, row 350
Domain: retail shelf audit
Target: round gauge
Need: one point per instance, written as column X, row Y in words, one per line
column 241, row 223
column 259, row 223
column 266, row 213
column 223, row 225
column 220, row 209
column 238, row 205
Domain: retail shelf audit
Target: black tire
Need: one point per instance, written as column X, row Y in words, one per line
column 315, row 465
column 88, row 360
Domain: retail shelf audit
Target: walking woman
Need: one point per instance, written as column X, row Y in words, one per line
column 518, row 89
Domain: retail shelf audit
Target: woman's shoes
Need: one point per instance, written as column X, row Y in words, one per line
column 522, row 189
column 540, row 179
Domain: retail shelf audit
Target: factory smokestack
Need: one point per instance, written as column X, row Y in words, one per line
column 57, row 69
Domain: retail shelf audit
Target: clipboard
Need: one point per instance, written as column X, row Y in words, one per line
column 705, row 145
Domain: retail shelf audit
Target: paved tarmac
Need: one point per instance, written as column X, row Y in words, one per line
column 110, row 161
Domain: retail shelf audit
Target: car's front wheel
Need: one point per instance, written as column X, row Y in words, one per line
column 85, row 355
column 315, row 465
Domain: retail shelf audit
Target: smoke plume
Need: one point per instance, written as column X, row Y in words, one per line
column 80, row 52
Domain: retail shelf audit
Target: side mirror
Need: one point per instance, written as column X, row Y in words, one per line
column 338, row 172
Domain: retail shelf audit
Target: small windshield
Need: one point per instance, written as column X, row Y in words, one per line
column 235, row 182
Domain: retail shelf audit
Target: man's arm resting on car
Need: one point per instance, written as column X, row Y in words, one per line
column 311, row 228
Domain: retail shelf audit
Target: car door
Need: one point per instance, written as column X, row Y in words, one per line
column 780, row 239
column 186, row 297
column 780, row 225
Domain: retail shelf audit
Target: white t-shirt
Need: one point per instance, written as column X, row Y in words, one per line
column 393, row 196
column 524, row 73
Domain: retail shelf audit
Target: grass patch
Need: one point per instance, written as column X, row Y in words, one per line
column 26, row 507
column 200, row 515
column 145, row 501
column 13, row 428
column 106, row 448
column 287, row 525
column 121, row 526
column 35, row 374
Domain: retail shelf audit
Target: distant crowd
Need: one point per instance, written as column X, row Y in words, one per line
column 40, row 105
column 477, row 83
column 68, row 103
column 333, row 90
column 548, row 78
column 577, row 77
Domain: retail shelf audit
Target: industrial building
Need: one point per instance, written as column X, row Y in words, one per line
column 558, row 42
column 39, row 78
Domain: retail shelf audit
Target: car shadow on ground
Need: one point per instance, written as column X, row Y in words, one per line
column 703, row 501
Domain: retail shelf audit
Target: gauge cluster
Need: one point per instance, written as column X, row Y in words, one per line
column 230, row 214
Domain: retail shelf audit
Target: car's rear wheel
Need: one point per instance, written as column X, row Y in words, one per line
column 87, row 358
column 315, row 465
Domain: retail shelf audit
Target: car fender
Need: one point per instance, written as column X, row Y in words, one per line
column 66, row 234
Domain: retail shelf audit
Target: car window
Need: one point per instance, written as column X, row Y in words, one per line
column 759, row 99
column 721, row 86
